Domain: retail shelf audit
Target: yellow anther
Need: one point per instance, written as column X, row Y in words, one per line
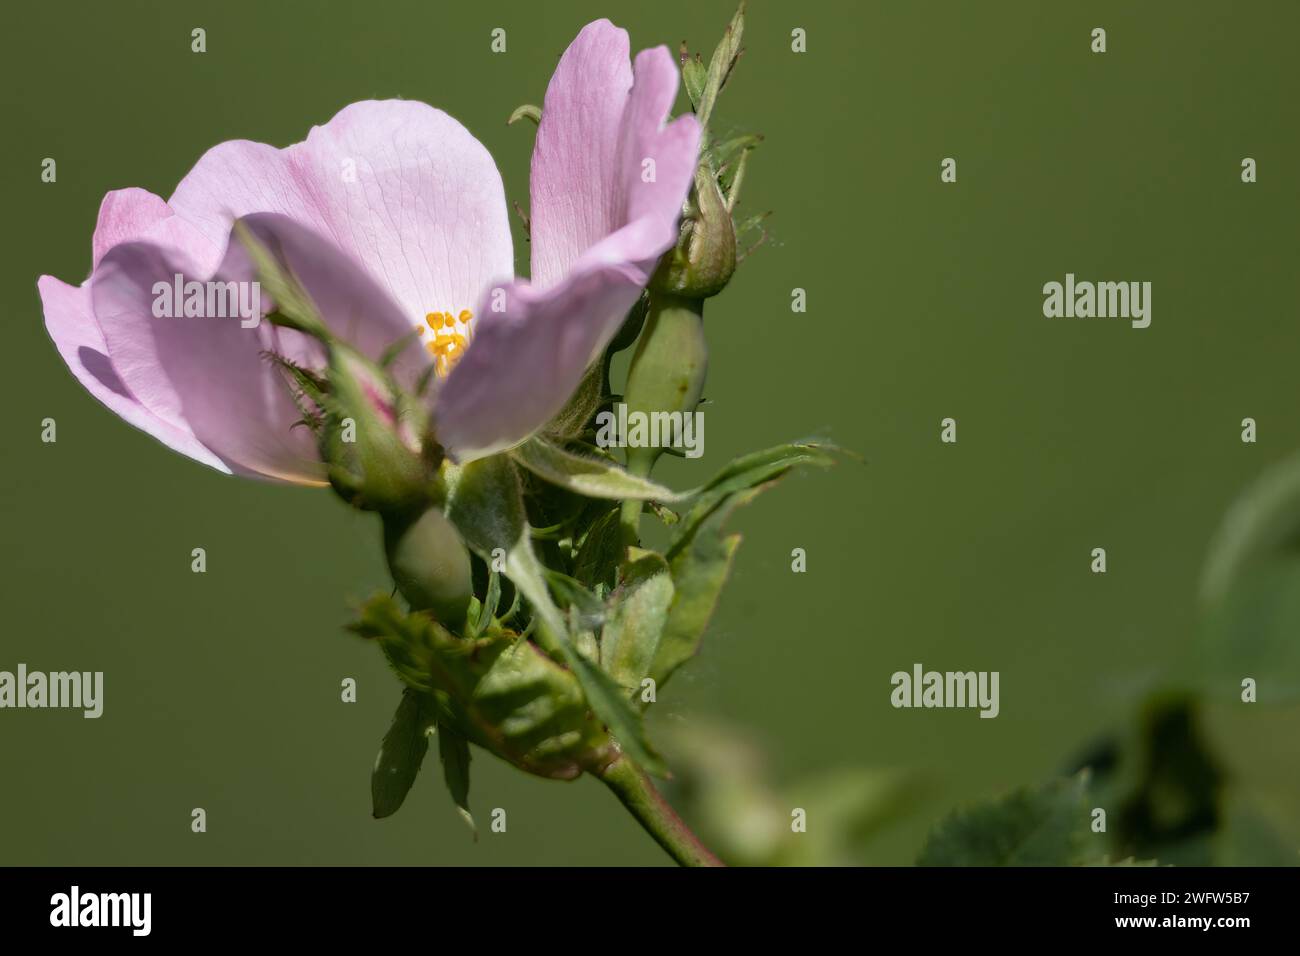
column 447, row 345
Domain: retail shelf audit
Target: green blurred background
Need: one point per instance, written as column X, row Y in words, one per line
column 924, row 301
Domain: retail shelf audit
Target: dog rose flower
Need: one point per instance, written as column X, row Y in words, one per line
column 391, row 218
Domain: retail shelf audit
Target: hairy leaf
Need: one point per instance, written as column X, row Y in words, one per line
column 636, row 621
column 586, row 474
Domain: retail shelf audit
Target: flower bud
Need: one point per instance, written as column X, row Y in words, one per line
column 430, row 565
column 668, row 368
column 704, row 259
column 370, row 438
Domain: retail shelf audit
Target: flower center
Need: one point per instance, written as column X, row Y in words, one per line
column 451, row 337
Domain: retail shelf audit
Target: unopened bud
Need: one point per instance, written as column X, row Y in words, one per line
column 371, row 437
column 429, row 565
column 704, row 259
column 668, row 368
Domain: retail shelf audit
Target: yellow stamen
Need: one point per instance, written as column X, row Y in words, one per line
column 448, row 344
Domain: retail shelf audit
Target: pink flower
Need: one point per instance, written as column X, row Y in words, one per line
column 391, row 216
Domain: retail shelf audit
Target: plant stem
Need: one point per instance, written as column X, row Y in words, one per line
column 636, row 792
column 630, row 522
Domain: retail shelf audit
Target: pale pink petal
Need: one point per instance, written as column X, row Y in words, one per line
column 525, row 361
column 608, row 184
column 602, row 136
column 124, row 215
column 207, row 373
column 215, row 374
column 76, row 335
column 400, row 186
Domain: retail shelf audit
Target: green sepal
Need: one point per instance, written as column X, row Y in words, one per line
column 723, row 152
column 723, row 61
column 401, row 753
column 453, row 752
column 526, row 111
column 293, row 306
column 694, row 75
column 380, row 468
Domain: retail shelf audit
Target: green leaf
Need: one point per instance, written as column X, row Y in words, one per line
column 453, row 751
column 636, row 621
column 611, row 704
column 699, row 568
column 1046, row 826
column 486, row 504
column 401, row 753
column 745, row 472
column 586, row 475
column 601, row 551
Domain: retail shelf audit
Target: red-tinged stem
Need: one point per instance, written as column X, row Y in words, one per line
column 636, row 792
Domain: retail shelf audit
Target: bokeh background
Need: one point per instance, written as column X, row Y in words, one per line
column 924, row 301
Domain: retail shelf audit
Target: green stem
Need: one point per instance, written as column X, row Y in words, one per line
column 636, row 792
column 630, row 520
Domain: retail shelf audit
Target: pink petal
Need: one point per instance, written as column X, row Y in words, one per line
column 124, row 215
column 598, row 230
column 206, row 374
column 76, row 335
column 601, row 122
column 400, row 186
column 524, row 362
column 214, row 374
